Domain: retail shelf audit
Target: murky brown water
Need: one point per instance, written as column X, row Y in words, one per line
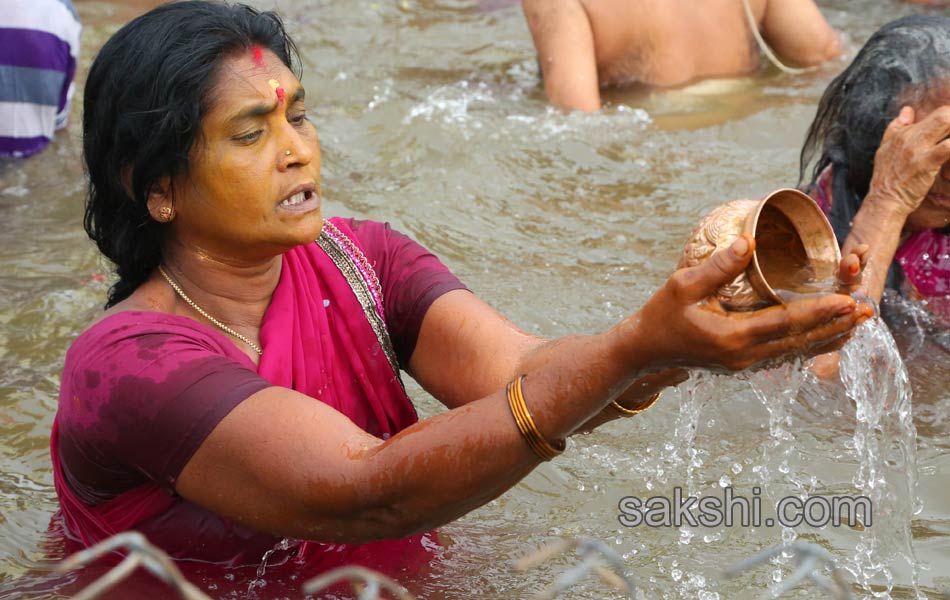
column 431, row 118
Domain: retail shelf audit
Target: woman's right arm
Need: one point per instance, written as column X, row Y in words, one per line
column 906, row 164
column 283, row 463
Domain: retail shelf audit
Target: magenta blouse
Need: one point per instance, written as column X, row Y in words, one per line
column 142, row 390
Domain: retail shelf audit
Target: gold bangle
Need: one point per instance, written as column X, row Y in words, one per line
column 623, row 411
column 529, row 431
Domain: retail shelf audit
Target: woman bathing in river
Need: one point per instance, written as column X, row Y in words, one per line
column 244, row 383
column 882, row 172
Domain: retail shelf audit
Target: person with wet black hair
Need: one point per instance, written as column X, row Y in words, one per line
column 143, row 110
column 881, row 154
column 245, row 382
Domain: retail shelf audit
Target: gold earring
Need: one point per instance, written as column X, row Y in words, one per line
column 165, row 213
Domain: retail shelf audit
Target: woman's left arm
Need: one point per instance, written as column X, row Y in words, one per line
column 466, row 350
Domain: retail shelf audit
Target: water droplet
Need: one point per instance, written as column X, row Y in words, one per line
column 789, row 535
column 17, row 191
column 686, row 536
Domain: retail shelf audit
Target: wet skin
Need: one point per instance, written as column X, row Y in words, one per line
column 934, row 211
column 230, row 218
column 910, row 191
column 231, row 205
column 284, row 463
column 586, row 45
column 910, row 188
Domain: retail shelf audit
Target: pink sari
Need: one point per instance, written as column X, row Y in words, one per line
column 357, row 374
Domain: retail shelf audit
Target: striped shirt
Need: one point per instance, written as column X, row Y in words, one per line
column 39, row 45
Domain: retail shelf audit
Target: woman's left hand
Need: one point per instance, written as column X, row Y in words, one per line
column 851, row 269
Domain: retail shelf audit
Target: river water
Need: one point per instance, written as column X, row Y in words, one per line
column 431, row 118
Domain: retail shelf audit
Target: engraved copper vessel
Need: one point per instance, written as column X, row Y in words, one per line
column 796, row 251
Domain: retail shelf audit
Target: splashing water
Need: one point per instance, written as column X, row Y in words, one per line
column 692, row 401
column 281, row 546
column 882, row 448
column 777, row 389
column 682, row 448
column 885, row 442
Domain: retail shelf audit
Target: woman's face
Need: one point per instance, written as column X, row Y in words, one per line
column 253, row 187
column 934, row 211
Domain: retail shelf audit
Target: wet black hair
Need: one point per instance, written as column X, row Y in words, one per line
column 145, row 96
column 899, row 65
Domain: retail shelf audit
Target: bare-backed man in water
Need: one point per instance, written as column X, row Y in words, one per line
column 584, row 45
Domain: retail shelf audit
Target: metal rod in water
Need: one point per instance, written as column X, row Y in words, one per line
column 810, row 558
column 140, row 553
column 591, row 550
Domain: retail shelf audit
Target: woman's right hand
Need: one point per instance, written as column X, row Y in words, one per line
column 909, row 159
column 684, row 325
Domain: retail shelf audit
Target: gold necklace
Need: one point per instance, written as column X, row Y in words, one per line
column 204, row 314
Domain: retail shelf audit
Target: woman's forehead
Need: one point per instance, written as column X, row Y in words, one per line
column 935, row 96
column 249, row 76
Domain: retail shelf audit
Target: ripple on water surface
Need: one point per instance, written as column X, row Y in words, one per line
column 431, row 117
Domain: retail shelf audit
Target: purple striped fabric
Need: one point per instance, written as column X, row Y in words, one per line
column 21, row 147
column 36, row 49
column 36, row 86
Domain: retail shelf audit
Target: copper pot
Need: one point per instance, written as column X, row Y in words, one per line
column 796, row 250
